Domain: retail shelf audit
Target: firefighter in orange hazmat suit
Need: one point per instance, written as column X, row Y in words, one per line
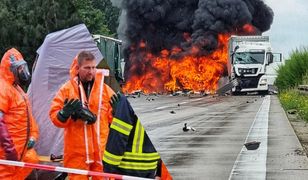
column 18, row 129
column 82, row 108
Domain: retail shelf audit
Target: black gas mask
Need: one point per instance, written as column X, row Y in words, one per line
column 21, row 72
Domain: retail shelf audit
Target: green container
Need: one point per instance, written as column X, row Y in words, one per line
column 113, row 60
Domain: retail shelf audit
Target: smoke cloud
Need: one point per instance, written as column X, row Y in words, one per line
column 163, row 24
column 157, row 33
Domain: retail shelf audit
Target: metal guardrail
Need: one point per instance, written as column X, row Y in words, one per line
column 303, row 89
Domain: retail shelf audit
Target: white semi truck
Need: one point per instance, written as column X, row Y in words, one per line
column 251, row 64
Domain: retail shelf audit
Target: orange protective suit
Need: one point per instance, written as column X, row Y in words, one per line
column 17, row 117
column 84, row 144
column 165, row 175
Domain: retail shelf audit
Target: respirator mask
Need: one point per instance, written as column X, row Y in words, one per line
column 21, row 72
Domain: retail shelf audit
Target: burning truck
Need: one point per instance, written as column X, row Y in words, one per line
column 183, row 45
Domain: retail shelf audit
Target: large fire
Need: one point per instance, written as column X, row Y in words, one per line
column 162, row 73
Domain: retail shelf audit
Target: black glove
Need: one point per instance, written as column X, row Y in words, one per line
column 86, row 115
column 70, row 106
column 114, row 100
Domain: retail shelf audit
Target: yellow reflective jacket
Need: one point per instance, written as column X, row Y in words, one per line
column 129, row 150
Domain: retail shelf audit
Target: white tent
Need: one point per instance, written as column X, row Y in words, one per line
column 51, row 71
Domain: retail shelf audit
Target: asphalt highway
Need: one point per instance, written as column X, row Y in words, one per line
column 223, row 125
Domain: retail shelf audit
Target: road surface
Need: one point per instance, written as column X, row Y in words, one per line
column 223, row 124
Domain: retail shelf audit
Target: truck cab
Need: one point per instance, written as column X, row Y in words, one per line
column 252, row 65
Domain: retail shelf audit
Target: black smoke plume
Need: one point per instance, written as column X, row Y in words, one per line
column 161, row 24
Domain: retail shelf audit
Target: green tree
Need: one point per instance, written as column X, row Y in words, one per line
column 26, row 23
column 94, row 18
column 111, row 14
column 294, row 71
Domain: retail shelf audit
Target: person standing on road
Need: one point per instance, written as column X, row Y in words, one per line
column 18, row 129
column 82, row 108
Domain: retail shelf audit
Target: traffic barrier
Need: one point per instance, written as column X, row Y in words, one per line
column 68, row 170
column 303, row 89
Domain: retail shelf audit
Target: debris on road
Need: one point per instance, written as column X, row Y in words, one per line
column 172, row 112
column 149, row 99
column 227, row 87
column 153, row 94
column 136, row 92
column 187, row 128
column 177, row 93
column 253, row 145
column 130, row 96
column 252, row 101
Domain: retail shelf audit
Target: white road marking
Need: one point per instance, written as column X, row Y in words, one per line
column 183, row 102
column 196, row 99
column 161, row 107
column 251, row 164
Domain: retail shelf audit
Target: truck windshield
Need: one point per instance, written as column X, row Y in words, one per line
column 249, row 58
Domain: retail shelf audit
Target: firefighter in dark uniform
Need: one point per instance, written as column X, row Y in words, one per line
column 129, row 150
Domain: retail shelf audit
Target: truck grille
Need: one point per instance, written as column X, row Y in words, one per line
column 249, row 82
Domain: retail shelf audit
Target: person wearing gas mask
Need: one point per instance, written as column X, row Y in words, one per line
column 18, row 129
column 81, row 107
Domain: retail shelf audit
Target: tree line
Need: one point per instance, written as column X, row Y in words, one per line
column 24, row 24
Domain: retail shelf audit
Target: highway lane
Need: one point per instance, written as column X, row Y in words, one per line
column 215, row 150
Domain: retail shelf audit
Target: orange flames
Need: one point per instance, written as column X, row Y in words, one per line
column 249, row 29
column 164, row 74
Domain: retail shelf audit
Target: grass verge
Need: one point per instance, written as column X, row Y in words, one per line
column 293, row 73
column 293, row 100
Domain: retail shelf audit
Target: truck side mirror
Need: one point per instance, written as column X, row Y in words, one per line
column 269, row 58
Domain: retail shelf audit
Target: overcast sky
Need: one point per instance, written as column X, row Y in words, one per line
column 290, row 26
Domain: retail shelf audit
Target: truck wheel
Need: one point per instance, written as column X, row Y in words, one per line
column 263, row 92
column 235, row 93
